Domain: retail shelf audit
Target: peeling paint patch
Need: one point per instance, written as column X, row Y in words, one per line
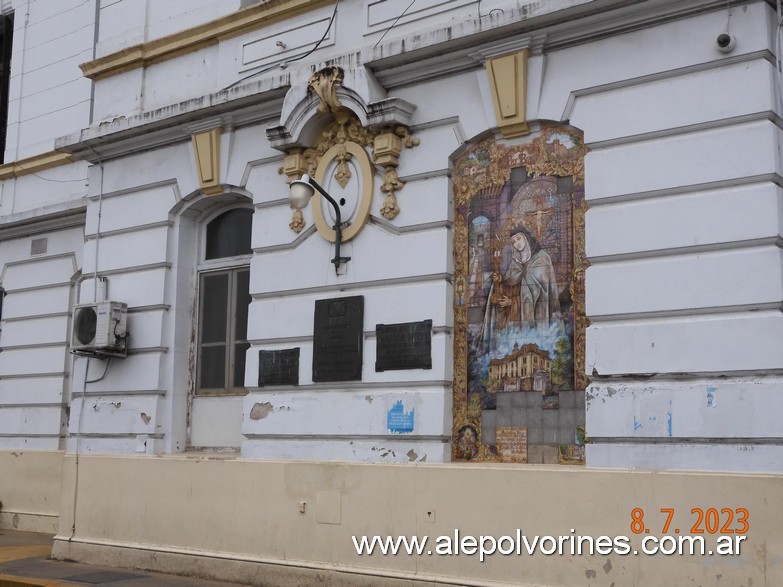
column 412, row 456
column 385, row 452
column 398, row 421
column 260, row 411
column 636, row 424
column 591, row 574
column 98, row 406
column 145, row 418
column 669, row 420
column 368, row 398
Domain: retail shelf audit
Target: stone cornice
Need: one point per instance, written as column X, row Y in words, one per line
column 239, row 106
column 44, row 219
column 34, row 164
column 459, row 46
column 210, row 33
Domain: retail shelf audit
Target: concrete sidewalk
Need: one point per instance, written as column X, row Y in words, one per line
column 24, row 560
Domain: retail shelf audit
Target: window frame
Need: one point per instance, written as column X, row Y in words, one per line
column 231, row 266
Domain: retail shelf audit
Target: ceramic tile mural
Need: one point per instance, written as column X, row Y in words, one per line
column 519, row 300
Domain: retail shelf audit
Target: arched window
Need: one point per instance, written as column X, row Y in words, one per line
column 224, row 297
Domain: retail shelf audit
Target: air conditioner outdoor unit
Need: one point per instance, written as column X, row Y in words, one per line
column 100, row 329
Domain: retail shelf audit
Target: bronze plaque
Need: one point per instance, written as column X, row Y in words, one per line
column 280, row 367
column 338, row 339
column 403, row 346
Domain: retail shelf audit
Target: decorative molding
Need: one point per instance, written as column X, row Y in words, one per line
column 709, row 312
column 254, row 102
column 294, row 165
column 34, row 164
column 386, row 153
column 699, row 249
column 664, row 75
column 362, row 285
column 688, row 129
column 387, row 143
column 226, row 27
column 206, row 146
column 353, row 92
column 324, row 84
column 340, row 153
column 27, row 224
column 508, row 82
column 689, row 188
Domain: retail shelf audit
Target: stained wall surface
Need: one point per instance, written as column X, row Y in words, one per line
column 672, row 274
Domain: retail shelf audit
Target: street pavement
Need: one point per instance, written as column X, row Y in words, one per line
column 24, row 560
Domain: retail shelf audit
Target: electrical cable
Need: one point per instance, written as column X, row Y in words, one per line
column 103, row 375
column 284, row 64
column 394, row 23
column 87, row 364
column 97, row 227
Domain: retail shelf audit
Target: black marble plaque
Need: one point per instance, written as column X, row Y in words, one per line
column 403, row 346
column 338, row 339
column 279, row 367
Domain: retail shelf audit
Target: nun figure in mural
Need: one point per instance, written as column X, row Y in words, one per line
column 524, row 291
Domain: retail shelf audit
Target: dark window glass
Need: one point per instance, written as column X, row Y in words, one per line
column 214, row 307
column 228, row 235
column 242, row 296
column 225, row 297
column 6, row 30
column 213, row 367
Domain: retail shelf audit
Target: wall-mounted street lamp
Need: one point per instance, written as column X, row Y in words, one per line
column 299, row 193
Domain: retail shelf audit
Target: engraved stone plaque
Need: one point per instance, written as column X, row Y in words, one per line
column 280, row 367
column 512, row 444
column 338, row 339
column 403, row 346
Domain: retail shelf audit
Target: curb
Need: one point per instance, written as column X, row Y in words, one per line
column 14, row 581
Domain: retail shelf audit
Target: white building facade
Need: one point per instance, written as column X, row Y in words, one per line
column 634, row 146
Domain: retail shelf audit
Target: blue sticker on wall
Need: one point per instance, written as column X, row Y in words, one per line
column 398, row 421
column 711, row 401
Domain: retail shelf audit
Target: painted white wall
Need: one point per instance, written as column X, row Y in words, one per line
column 683, row 229
column 48, row 96
column 125, row 23
column 34, row 362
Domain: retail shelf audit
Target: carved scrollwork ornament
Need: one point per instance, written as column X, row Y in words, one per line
column 390, row 184
column 387, row 147
column 386, row 144
column 294, row 165
column 324, row 84
column 297, row 222
column 407, row 138
column 343, row 173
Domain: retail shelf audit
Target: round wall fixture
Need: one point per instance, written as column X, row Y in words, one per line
column 346, row 172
